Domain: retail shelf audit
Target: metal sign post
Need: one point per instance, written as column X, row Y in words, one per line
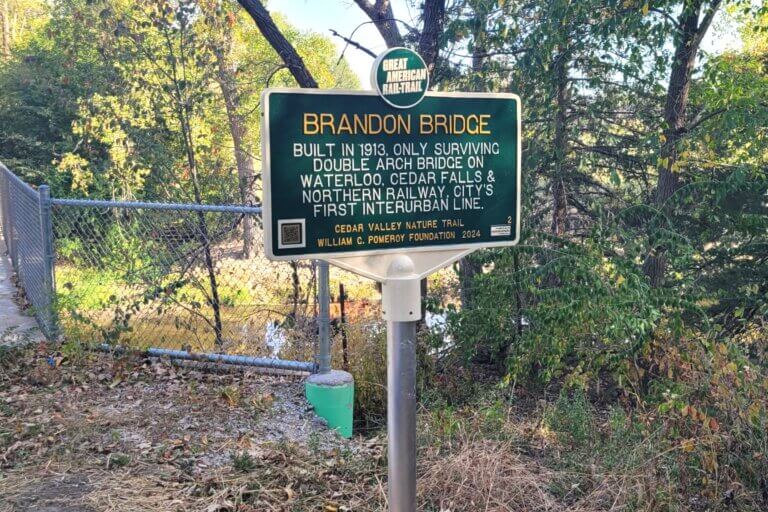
column 391, row 184
column 401, row 309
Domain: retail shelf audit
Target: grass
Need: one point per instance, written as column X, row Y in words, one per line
column 571, row 416
column 231, row 395
column 493, row 452
column 117, row 460
column 243, row 462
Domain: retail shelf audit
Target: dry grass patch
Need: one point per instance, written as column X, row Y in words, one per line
column 485, row 476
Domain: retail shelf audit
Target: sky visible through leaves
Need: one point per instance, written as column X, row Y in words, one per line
column 344, row 17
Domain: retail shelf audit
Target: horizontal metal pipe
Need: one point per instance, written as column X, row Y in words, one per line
column 261, row 362
column 139, row 205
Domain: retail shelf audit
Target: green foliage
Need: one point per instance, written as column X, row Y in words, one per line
column 572, row 418
column 92, row 96
column 118, row 460
column 125, row 100
column 368, row 364
column 243, row 462
column 579, row 306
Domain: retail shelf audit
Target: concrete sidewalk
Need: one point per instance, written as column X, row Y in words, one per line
column 16, row 328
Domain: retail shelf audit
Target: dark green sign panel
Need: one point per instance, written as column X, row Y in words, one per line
column 347, row 174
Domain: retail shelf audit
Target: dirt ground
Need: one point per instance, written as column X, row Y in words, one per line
column 90, row 432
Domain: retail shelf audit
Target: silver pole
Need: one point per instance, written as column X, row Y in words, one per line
column 323, row 320
column 401, row 415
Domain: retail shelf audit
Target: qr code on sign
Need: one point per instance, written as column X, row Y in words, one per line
column 291, row 233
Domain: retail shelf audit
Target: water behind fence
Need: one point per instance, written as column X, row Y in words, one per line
column 180, row 276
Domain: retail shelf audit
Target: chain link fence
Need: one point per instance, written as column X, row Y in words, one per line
column 190, row 281
column 27, row 235
column 166, row 276
column 171, row 277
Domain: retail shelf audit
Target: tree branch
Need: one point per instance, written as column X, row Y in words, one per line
column 279, row 43
column 703, row 118
column 705, row 23
column 668, row 16
column 351, row 42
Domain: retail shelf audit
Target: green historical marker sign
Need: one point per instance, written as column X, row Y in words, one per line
column 392, row 185
column 347, row 174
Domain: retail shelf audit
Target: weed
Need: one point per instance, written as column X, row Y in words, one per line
column 493, row 419
column 33, row 430
column 571, row 417
column 314, row 441
column 117, row 460
column 73, row 350
column 443, row 426
column 261, row 403
column 243, row 462
column 231, row 395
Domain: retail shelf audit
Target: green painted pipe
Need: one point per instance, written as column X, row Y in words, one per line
column 332, row 395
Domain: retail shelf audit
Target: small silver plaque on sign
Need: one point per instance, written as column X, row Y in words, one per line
column 501, row 230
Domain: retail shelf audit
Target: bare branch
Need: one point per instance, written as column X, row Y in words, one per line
column 350, row 42
column 281, row 45
column 668, row 16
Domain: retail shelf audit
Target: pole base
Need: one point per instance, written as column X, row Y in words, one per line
column 332, row 395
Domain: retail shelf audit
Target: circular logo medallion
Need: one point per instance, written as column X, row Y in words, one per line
column 400, row 77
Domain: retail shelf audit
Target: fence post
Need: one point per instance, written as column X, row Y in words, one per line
column 8, row 220
column 324, row 320
column 331, row 392
column 49, row 272
column 343, row 321
column 4, row 205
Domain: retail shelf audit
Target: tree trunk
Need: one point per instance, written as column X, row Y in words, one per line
column 202, row 227
column 559, row 198
column 468, row 269
column 691, row 33
column 238, row 128
column 479, row 37
column 433, row 14
column 296, row 288
column 300, row 73
column 5, row 14
column 383, row 18
column 343, row 322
